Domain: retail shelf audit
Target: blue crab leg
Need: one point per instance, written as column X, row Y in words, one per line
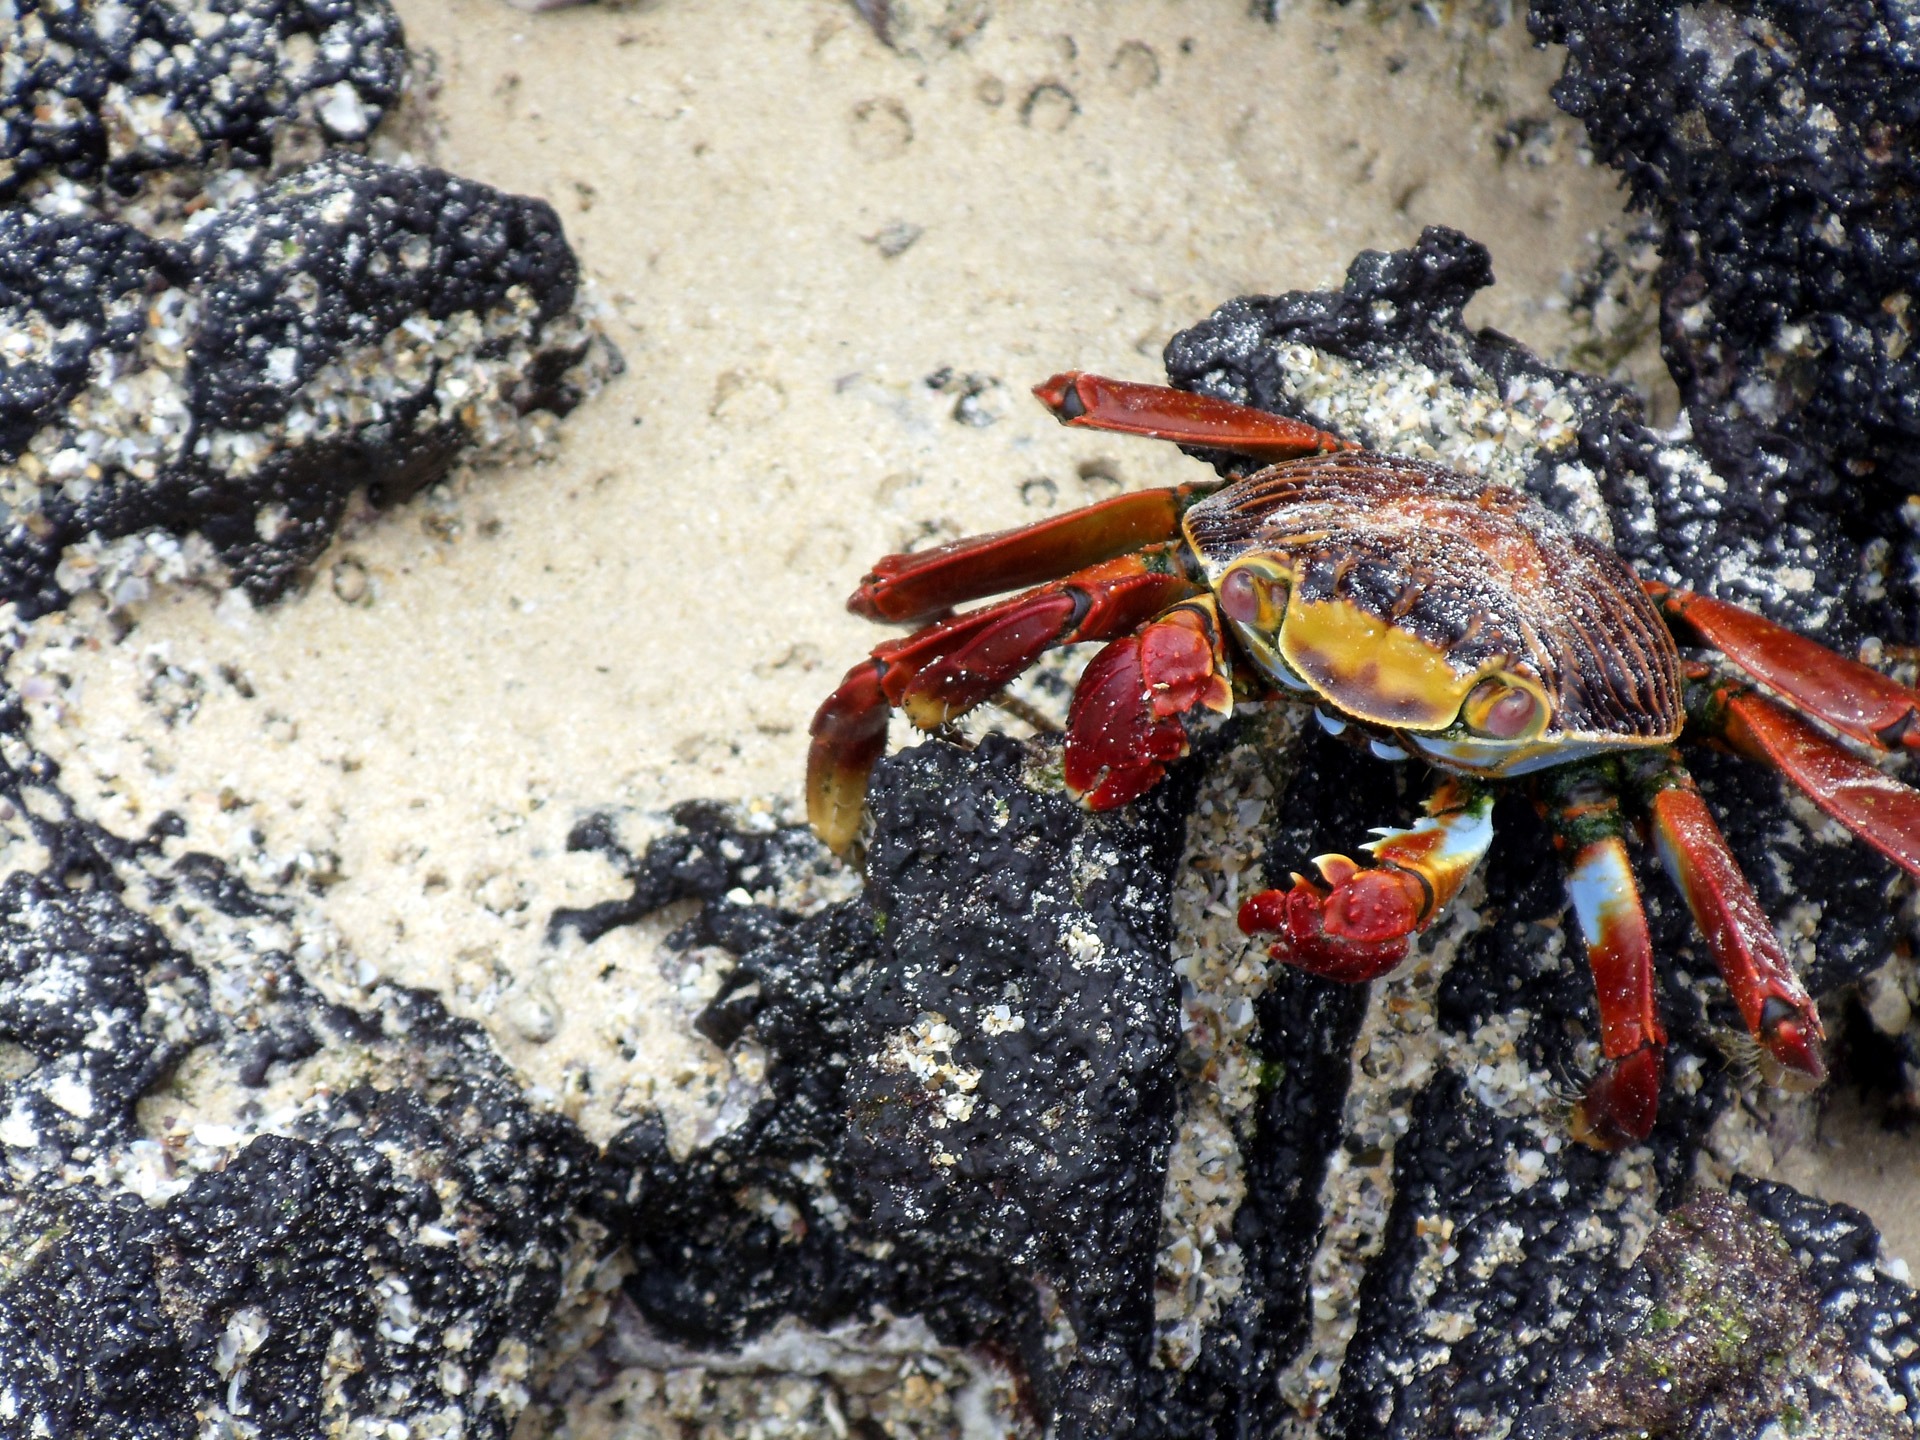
column 1358, row 924
column 1621, row 1101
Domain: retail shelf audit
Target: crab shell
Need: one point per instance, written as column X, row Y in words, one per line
column 1415, row 600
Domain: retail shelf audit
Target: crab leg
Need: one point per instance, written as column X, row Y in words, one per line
column 1123, row 728
column 910, row 589
column 1093, row 402
column 1357, row 926
column 940, row 672
column 1759, row 976
column 1853, row 698
column 1621, row 1101
column 1875, row 807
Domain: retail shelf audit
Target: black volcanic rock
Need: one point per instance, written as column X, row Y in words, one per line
column 110, row 93
column 977, row 1052
column 1777, row 145
column 391, row 1249
column 355, row 325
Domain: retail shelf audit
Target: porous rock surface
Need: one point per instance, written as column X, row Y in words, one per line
column 353, row 325
column 96, row 97
column 386, row 1246
column 1776, row 142
column 1028, row 1088
column 970, row 1099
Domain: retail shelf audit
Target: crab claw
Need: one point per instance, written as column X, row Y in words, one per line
column 1620, row 1105
column 1123, row 728
column 1353, row 929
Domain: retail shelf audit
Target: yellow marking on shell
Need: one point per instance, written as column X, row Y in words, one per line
column 1370, row 669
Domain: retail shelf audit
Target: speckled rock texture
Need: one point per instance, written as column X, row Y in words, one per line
column 1746, row 1311
column 104, row 94
column 354, row 325
column 389, row 1249
column 1000, row 1092
column 969, row 1105
column 1776, row 145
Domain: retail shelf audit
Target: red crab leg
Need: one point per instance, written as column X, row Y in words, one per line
column 910, row 589
column 1622, row 1100
column 1853, row 698
column 1093, row 402
column 1759, row 976
column 940, row 672
column 1357, row 926
column 1123, row 728
column 1875, row 807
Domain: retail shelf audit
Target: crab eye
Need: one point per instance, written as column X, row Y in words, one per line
column 1251, row 599
column 1501, row 711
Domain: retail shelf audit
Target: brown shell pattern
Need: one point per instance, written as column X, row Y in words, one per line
column 1476, row 570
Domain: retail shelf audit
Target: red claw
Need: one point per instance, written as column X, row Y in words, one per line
column 1116, row 748
column 1355, row 931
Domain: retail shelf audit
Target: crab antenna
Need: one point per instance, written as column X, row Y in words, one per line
column 1093, row 402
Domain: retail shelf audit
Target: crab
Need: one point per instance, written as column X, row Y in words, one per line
column 1425, row 615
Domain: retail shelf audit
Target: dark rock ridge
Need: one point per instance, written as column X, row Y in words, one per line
column 1777, row 144
column 106, row 94
column 974, row 1060
column 354, row 325
column 390, row 1247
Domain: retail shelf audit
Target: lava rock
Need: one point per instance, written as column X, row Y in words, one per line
column 355, row 325
column 1776, row 144
column 387, row 1248
column 974, row 1059
column 1742, row 1312
column 106, row 94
